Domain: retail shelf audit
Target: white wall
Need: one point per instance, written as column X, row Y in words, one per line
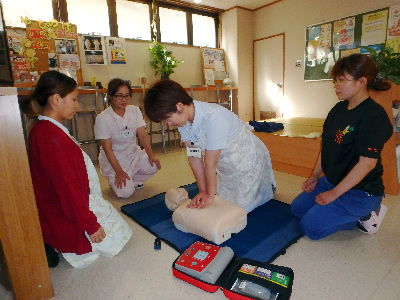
column 245, row 62
column 307, row 99
column 138, row 58
column 237, row 41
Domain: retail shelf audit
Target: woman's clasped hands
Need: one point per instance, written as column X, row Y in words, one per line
column 200, row 200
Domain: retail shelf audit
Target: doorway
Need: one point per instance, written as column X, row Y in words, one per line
column 268, row 76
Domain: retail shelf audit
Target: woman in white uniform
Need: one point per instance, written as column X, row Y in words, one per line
column 122, row 161
column 236, row 165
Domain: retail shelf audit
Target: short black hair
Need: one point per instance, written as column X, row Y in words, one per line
column 161, row 99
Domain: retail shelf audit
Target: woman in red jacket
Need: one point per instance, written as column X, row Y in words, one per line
column 74, row 217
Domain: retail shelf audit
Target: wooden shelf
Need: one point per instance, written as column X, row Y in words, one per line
column 389, row 160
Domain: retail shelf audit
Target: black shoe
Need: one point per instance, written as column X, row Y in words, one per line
column 52, row 256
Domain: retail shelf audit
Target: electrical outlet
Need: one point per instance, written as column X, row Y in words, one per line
column 298, row 63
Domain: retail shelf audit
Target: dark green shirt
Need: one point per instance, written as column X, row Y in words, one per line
column 349, row 134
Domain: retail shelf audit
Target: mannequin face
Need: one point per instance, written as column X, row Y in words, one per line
column 174, row 197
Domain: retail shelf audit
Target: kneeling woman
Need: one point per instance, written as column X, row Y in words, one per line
column 74, row 217
column 125, row 165
column 236, row 166
column 351, row 191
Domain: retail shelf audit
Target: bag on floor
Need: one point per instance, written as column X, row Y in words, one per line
column 211, row 267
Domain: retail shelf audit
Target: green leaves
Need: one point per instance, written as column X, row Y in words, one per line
column 163, row 62
column 387, row 62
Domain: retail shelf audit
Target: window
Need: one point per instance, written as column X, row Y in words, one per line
column 34, row 10
column 203, row 31
column 133, row 20
column 89, row 16
column 173, row 26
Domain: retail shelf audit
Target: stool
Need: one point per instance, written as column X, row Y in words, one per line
column 227, row 104
column 142, row 87
column 92, row 113
column 193, row 86
column 161, row 131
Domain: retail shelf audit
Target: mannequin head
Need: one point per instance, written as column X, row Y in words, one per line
column 174, row 197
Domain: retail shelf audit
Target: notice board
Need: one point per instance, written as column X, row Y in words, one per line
column 213, row 62
column 327, row 42
column 48, row 46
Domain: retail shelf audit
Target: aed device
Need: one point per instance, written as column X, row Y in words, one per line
column 204, row 261
column 211, row 267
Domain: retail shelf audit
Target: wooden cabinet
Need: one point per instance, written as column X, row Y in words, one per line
column 389, row 161
column 21, row 238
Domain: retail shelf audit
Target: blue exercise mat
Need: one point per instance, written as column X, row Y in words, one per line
column 271, row 228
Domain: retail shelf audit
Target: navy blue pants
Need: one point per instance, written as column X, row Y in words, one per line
column 319, row 221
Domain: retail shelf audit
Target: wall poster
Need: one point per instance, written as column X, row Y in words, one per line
column 94, row 50
column 116, row 49
column 212, row 60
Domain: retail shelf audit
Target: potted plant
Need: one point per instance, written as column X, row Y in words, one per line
column 163, row 61
column 387, row 62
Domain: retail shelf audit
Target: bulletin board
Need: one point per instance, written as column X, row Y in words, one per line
column 327, row 42
column 51, row 45
column 212, row 60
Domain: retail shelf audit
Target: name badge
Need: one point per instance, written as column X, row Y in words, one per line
column 126, row 133
column 193, row 152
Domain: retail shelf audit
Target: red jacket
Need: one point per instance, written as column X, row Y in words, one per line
column 61, row 187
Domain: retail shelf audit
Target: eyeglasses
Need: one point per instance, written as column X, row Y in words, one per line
column 120, row 97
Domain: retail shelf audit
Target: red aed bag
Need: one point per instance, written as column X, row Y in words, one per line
column 211, row 267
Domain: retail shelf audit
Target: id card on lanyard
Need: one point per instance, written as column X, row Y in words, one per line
column 127, row 133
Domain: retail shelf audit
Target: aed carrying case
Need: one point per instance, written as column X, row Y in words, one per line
column 211, row 267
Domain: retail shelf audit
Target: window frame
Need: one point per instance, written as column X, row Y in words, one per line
column 189, row 25
column 60, row 13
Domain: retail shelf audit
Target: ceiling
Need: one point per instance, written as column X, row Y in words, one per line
column 226, row 4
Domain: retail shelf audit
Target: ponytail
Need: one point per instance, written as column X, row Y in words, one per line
column 379, row 84
column 50, row 83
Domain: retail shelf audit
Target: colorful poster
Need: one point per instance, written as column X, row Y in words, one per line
column 20, row 69
column 394, row 23
column 64, row 46
column 53, row 62
column 374, row 28
column 208, row 58
column 394, row 44
column 116, row 48
column 325, row 35
column 319, row 44
column 69, row 61
column 209, row 76
column 219, row 61
column 345, row 53
column 69, row 72
column 15, row 45
column 94, row 50
column 343, row 33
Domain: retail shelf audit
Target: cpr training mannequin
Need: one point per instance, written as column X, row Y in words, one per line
column 215, row 222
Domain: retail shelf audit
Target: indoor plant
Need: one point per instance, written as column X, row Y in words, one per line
column 387, row 62
column 163, row 61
